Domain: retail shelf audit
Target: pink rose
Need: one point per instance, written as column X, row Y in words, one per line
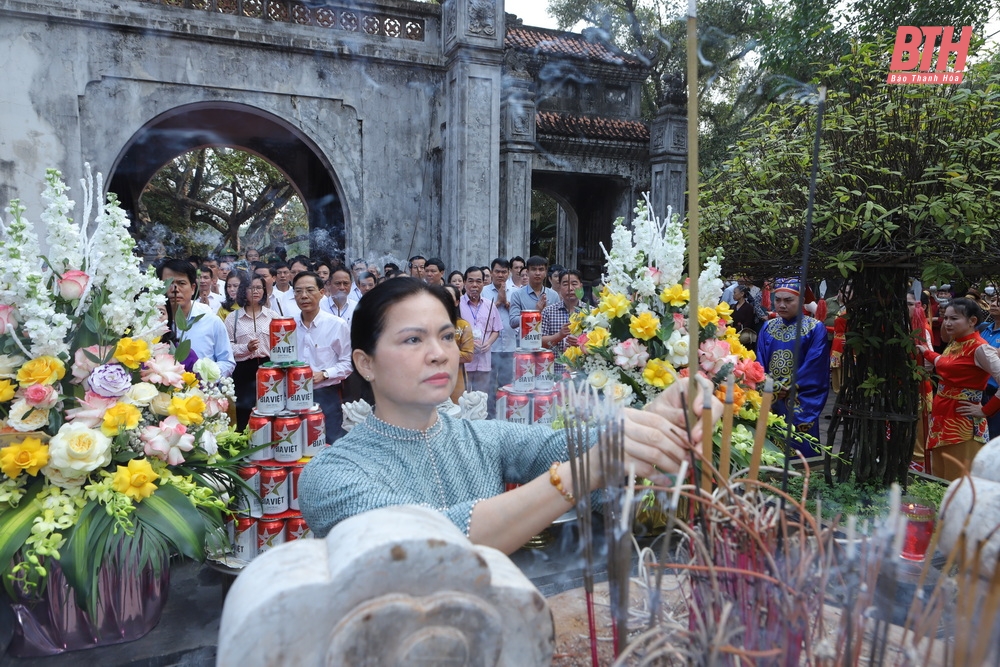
column 167, row 441
column 163, row 370
column 750, row 371
column 581, row 342
column 8, row 318
column 72, row 284
column 41, row 396
column 215, row 406
column 714, row 354
column 680, row 323
column 655, row 274
column 91, row 410
column 630, row 354
column 83, row 365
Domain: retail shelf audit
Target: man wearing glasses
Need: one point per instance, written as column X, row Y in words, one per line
column 324, row 342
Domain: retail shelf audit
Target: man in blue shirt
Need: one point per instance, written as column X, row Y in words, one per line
column 206, row 331
column 533, row 296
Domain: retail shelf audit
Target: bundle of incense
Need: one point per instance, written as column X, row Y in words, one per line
column 617, row 518
column 579, row 436
column 761, row 430
column 675, row 499
column 725, row 453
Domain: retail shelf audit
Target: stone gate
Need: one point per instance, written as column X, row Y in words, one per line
column 407, row 127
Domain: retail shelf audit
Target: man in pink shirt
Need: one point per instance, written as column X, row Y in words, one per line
column 483, row 317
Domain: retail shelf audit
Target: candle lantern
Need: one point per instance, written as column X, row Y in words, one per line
column 919, row 529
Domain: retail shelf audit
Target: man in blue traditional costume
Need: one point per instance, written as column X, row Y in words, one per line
column 775, row 350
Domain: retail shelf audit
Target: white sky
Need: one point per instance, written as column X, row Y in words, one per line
column 532, row 12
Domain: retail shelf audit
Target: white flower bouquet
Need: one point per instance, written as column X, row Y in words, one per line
column 109, row 443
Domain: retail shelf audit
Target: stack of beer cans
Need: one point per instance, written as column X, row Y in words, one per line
column 290, row 429
column 532, row 397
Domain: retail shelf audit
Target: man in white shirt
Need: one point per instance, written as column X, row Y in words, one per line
column 204, row 330
column 337, row 302
column 219, row 283
column 358, row 267
column 276, row 301
column 533, row 296
column 324, row 342
column 502, row 352
column 206, row 281
column 513, row 271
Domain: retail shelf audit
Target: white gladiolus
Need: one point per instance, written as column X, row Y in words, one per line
column 710, row 285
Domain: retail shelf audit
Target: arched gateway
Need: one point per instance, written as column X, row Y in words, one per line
column 202, row 124
column 408, row 127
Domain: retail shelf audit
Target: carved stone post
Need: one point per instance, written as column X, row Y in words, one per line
column 516, row 158
column 473, row 44
column 668, row 151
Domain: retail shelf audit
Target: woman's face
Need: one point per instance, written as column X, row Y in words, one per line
column 956, row 324
column 911, row 303
column 456, row 281
column 323, row 272
column 415, row 361
column 232, row 285
column 256, row 290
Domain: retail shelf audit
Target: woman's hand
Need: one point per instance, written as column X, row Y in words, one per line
column 655, row 437
column 971, row 410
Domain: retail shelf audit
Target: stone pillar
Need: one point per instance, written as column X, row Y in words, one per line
column 516, row 158
column 668, row 152
column 473, row 45
column 393, row 586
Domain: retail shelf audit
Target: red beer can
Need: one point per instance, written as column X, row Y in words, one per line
column 315, row 432
column 245, row 538
column 518, row 408
column 531, row 329
column 260, row 434
column 288, row 435
column 545, row 369
column 524, row 370
column 284, row 343
column 299, row 379
column 274, row 490
column 501, row 409
column 270, row 533
column 293, row 486
column 296, row 529
column 248, row 502
column 270, row 390
column 544, row 403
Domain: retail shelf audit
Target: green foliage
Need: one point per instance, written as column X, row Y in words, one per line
column 865, row 500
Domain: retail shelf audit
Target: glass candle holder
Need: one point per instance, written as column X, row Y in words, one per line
column 919, row 529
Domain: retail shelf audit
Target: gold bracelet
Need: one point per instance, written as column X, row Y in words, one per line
column 556, row 481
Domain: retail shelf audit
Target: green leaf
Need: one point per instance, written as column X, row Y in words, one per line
column 80, row 559
column 174, row 516
column 182, row 351
column 15, row 527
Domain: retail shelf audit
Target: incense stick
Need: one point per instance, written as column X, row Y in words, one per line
column 706, row 437
column 727, row 430
column 758, row 436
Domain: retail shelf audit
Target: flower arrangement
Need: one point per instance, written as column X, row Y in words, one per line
column 635, row 342
column 110, row 440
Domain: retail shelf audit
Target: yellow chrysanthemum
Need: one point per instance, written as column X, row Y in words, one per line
column 29, row 456
column 572, row 353
column 7, row 390
column 189, row 411
column 658, row 373
column 597, row 338
column 42, row 370
column 707, row 316
column 644, row 326
column 190, row 379
column 136, row 480
column 576, row 323
column 131, row 352
column 675, row 296
column 614, row 305
column 120, row 417
column 724, row 311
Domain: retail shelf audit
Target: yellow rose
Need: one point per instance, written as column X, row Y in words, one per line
column 136, row 480
column 43, row 370
column 658, row 373
column 675, row 296
column 614, row 305
column 29, row 455
column 707, row 316
column 576, row 323
column 6, row 390
column 572, row 354
column 724, row 311
column 119, row 417
column 753, row 398
column 645, row 326
column 190, row 379
column 597, row 338
column 189, row 411
column 131, row 352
